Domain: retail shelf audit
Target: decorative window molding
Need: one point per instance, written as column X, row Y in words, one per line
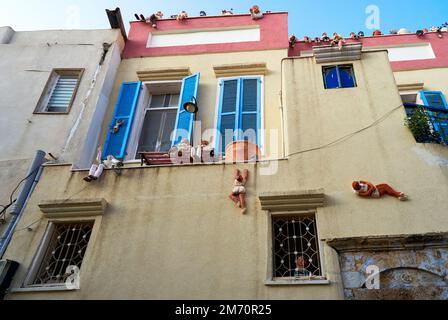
column 292, row 201
column 328, row 53
column 388, row 243
column 233, row 70
column 410, row 86
column 163, row 74
column 74, row 208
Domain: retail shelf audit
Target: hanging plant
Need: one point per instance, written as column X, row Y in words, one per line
column 419, row 124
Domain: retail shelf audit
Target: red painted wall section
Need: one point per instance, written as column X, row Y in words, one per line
column 439, row 46
column 273, row 31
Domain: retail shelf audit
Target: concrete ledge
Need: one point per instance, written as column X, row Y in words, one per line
column 385, row 243
column 40, row 289
column 296, row 282
column 292, row 201
column 73, row 208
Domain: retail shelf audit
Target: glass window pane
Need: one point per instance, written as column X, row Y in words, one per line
column 250, row 95
column 150, row 131
column 168, row 127
column 331, row 78
column 174, row 102
column 346, row 75
column 157, row 101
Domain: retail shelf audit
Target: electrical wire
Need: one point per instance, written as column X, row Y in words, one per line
column 348, row 136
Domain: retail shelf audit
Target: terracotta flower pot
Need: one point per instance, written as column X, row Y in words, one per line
column 238, row 151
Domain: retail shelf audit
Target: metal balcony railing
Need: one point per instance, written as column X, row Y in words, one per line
column 429, row 124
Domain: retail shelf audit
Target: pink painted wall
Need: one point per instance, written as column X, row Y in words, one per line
column 273, row 29
column 439, row 46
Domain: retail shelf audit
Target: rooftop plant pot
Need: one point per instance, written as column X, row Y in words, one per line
column 240, row 151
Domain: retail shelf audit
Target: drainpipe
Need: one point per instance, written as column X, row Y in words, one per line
column 17, row 209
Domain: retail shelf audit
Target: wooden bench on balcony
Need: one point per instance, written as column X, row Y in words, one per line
column 155, row 158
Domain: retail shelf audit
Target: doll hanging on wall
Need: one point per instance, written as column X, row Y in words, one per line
column 238, row 195
column 368, row 190
column 152, row 20
column 96, row 169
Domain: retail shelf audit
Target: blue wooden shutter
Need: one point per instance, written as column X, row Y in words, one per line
column 184, row 120
column 439, row 120
column 434, row 99
column 249, row 112
column 228, row 111
column 124, row 110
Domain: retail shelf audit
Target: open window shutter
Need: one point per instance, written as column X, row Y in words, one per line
column 228, row 112
column 437, row 100
column 249, row 123
column 184, row 120
column 116, row 142
column 434, row 99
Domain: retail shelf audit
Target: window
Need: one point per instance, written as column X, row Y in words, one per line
column 239, row 114
column 337, row 77
column 158, row 123
column 60, row 91
column 295, row 247
column 64, row 245
column 149, row 117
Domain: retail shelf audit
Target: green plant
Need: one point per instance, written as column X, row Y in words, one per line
column 419, row 124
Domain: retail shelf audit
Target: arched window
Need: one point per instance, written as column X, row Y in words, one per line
column 336, row 77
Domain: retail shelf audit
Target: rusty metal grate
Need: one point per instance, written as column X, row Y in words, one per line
column 295, row 237
column 67, row 246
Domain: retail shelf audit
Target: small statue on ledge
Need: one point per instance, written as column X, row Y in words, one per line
column 368, row 190
column 238, row 195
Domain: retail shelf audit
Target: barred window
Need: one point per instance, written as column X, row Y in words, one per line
column 67, row 245
column 296, row 247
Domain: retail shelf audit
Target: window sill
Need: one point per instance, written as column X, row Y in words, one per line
column 293, row 282
column 41, row 289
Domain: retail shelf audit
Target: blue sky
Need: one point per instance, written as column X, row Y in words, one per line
column 305, row 17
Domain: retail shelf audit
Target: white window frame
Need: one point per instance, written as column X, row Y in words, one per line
column 273, row 281
column 262, row 120
column 142, row 107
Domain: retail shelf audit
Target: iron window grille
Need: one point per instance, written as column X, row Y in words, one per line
column 66, row 247
column 295, row 237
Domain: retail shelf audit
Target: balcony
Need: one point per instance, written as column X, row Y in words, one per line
column 428, row 124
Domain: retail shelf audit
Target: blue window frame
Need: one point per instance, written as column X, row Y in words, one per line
column 337, row 77
column 436, row 100
column 239, row 111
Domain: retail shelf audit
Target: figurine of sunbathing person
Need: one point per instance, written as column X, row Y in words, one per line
column 368, row 190
column 238, row 195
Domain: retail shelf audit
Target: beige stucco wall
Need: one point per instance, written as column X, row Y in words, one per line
column 208, row 87
column 433, row 79
column 26, row 61
column 172, row 233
